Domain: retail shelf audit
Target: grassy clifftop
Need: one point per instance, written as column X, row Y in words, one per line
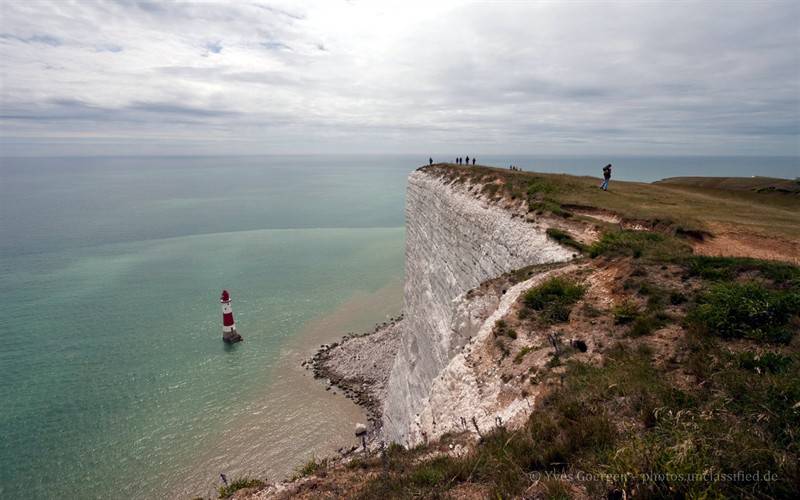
column 754, row 184
column 741, row 222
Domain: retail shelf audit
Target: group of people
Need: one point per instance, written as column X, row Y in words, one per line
column 459, row 161
column 464, row 161
column 603, row 185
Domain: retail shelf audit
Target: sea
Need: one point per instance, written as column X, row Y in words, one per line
column 114, row 380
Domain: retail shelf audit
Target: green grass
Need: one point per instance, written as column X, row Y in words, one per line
column 626, row 312
column 645, row 325
column 747, row 310
column 565, row 239
column 628, row 421
column 312, row 466
column 522, row 353
column 239, row 484
column 728, row 268
column 553, row 299
column 639, row 244
column 501, row 329
column 666, row 207
column 767, row 362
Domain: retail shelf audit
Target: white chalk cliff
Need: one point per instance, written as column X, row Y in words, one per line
column 455, row 240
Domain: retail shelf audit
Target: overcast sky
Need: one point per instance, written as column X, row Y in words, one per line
column 434, row 76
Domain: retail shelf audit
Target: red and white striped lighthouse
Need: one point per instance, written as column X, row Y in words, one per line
column 229, row 333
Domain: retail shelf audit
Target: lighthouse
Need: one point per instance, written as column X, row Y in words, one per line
column 229, row 334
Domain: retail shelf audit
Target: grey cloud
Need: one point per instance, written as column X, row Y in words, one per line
column 275, row 45
column 38, row 39
column 709, row 77
column 110, row 47
column 178, row 109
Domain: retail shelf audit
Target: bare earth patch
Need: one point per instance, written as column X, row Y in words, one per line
column 737, row 242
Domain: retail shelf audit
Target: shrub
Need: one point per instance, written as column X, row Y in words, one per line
column 746, row 310
column 771, row 362
column 548, row 205
column 239, row 484
column 541, row 186
column 644, row 325
column 564, row 238
column 677, row 298
column 311, row 467
column 554, row 299
column 626, row 312
column 522, row 353
column 432, row 472
column 727, row 268
column 501, row 329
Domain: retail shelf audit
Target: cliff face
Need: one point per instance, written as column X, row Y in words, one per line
column 454, row 242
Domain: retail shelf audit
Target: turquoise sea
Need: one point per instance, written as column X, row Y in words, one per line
column 115, row 382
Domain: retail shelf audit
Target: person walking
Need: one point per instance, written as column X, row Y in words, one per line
column 606, row 177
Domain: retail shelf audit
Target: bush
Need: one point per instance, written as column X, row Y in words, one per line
column 541, row 186
column 554, row 299
column 239, row 484
column 626, row 312
column 521, row 354
column 564, row 238
column 311, row 467
column 548, row 205
column 746, row 310
column 501, row 329
column 644, row 325
column 727, row 268
column 771, row 362
column 677, row 298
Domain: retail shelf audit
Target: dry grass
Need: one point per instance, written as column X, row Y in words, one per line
column 670, row 206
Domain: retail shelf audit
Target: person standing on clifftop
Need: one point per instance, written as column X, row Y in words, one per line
column 473, row 160
column 430, row 161
column 606, row 177
column 467, row 160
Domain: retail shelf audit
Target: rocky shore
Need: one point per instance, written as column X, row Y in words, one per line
column 359, row 366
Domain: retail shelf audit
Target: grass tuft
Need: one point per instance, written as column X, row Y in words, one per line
column 565, row 239
column 640, row 244
column 553, row 299
column 239, row 484
column 746, row 310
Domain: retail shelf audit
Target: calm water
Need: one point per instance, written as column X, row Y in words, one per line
column 114, row 377
column 115, row 383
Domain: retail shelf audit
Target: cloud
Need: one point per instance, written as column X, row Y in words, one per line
column 166, row 108
column 328, row 75
column 36, row 39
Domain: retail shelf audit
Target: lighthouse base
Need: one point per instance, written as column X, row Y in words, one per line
column 231, row 337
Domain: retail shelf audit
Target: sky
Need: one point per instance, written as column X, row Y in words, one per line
column 330, row 76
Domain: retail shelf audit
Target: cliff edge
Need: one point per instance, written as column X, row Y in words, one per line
column 455, row 240
column 562, row 341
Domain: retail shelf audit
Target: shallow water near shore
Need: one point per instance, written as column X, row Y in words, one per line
column 297, row 419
